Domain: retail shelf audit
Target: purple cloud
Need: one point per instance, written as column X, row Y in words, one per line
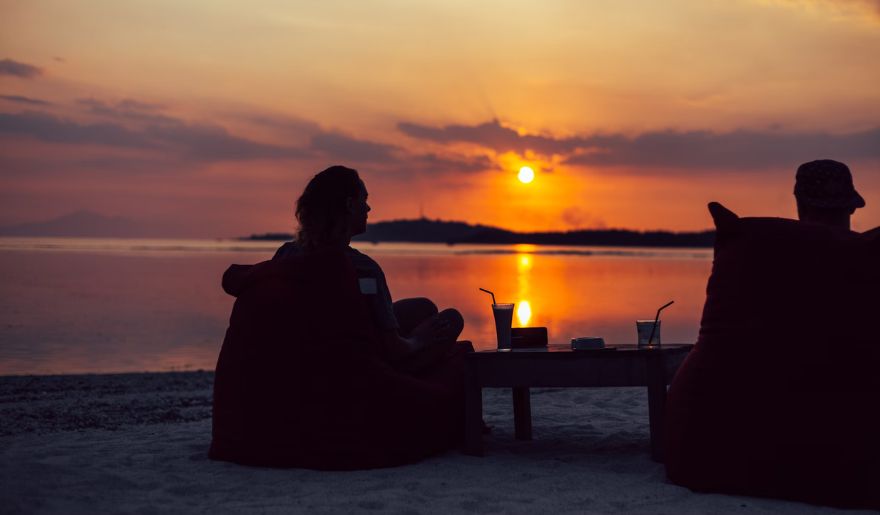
column 49, row 128
column 25, row 100
column 282, row 123
column 189, row 141
column 741, row 149
column 214, row 143
column 127, row 110
column 173, row 143
column 434, row 164
column 17, row 69
column 391, row 159
column 339, row 147
column 491, row 135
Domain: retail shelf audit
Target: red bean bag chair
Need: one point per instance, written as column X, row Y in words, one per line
column 300, row 381
column 780, row 395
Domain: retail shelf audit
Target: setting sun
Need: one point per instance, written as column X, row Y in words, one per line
column 526, row 175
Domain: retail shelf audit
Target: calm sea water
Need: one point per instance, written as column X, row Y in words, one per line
column 70, row 305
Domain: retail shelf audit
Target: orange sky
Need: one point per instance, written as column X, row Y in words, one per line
column 206, row 118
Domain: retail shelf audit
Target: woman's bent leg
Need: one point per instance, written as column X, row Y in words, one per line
column 443, row 329
column 453, row 324
column 412, row 312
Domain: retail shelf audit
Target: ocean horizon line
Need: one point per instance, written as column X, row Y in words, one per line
column 244, row 245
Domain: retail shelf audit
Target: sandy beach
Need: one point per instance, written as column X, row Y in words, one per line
column 137, row 443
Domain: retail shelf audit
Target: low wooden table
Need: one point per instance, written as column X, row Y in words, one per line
column 559, row 366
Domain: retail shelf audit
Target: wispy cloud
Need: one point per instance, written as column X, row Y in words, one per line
column 19, row 69
column 215, row 143
column 344, row 148
column 133, row 124
column 126, row 110
column 278, row 122
column 429, row 166
column 434, row 164
column 856, row 8
column 391, row 160
column 126, row 105
column 50, row 128
column 491, row 135
column 25, row 100
column 740, row 150
column 198, row 142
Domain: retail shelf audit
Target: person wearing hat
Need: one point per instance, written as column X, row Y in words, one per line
column 825, row 193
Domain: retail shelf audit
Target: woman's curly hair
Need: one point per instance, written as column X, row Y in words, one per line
column 321, row 209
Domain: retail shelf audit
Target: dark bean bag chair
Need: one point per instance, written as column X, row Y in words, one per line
column 300, row 380
column 780, row 395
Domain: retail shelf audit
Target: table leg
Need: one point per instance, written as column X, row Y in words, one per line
column 522, row 413
column 656, row 371
column 473, row 414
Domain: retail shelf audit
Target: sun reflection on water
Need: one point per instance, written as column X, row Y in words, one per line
column 524, row 263
column 523, row 312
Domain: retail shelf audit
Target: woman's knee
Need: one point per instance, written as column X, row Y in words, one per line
column 415, row 306
column 454, row 320
column 412, row 312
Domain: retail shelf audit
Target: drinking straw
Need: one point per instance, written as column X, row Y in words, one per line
column 657, row 318
column 490, row 293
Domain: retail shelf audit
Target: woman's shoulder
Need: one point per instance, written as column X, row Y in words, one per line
column 288, row 249
column 362, row 261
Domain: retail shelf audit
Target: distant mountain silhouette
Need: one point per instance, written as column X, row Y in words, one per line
column 80, row 223
column 421, row 230
column 424, row 230
column 599, row 237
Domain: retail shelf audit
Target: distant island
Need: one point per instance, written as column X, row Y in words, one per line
column 424, row 230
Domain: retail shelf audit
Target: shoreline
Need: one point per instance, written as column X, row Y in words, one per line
column 88, row 443
column 51, row 403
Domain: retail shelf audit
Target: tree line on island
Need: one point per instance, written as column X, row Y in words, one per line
column 424, row 230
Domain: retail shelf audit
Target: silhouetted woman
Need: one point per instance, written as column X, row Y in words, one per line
column 332, row 209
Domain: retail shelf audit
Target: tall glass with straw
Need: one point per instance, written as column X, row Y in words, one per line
column 503, row 322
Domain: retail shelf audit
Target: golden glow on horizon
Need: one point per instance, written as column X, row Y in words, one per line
column 526, row 175
column 525, row 250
